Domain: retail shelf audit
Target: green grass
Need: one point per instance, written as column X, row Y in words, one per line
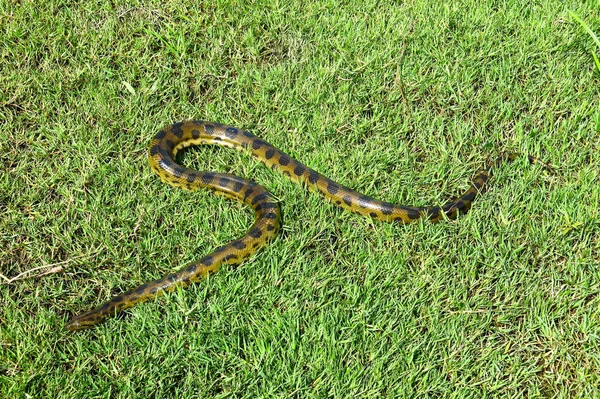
column 502, row 302
column 591, row 33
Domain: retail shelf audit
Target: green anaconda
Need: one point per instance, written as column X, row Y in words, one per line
column 173, row 138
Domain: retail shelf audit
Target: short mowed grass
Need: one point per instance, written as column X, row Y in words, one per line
column 403, row 101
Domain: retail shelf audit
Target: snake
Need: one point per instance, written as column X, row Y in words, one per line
column 162, row 158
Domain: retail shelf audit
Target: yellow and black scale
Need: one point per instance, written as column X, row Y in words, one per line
column 173, row 138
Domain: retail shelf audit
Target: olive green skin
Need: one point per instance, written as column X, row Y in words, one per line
column 171, row 139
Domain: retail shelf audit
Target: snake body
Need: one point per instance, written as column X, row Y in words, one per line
column 171, row 139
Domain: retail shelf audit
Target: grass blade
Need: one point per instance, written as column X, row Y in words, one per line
column 590, row 32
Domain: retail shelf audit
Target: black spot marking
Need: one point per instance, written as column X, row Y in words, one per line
column 248, row 193
column 453, row 212
column 153, row 290
column 210, row 129
column 170, row 144
column 230, row 257
column 284, row 160
column 164, row 152
column 231, row 132
column 141, row 288
column 191, row 177
column 348, row 200
column 270, row 215
column 259, row 197
column 117, row 299
column 286, row 173
column 207, row 261
column 256, row 144
column 237, row 186
column 332, row 188
column 171, row 278
column 207, row 178
column 469, row 196
column 414, row 213
column 299, row 170
column 313, row 177
column 448, row 207
column 259, row 207
column 192, row 268
column 432, row 213
column 248, row 134
column 373, row 215
column 155, row 149
column 224, row 181
column 160, row 135
column 270, row 227
column 177, row 130
column 255, row 232
column 387, row 208
column 238, row 244
column 270, row 153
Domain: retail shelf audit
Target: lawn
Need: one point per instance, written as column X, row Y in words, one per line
column 403, row 101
